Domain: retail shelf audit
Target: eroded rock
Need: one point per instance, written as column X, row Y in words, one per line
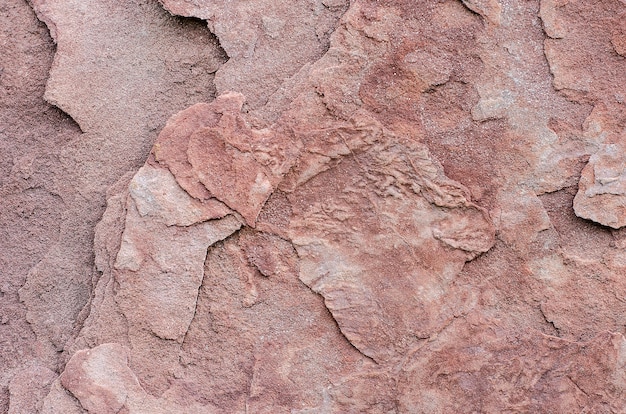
column 120, row 70
column 602, row 189
column 392, row 231
column 102, row 381
column 492, row 372
column 367, row 231
column 161, row 252
column 266, row 41
column 574, row 29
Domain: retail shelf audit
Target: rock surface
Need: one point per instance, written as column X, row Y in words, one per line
column 115, row 102
column 602, row 188
column 266, row 41
column 373, row 207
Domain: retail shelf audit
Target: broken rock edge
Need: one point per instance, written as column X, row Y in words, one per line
column 244, row 225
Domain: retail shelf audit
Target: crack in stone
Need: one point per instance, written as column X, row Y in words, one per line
column 549, row 322
column 336, row 323
column 195, row 306
column 569, row 377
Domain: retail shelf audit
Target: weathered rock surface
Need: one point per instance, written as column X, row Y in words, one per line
column 113, row 76
column 602, row 188
column 31, row 131
column 54, row 176
column 389, row 207
column 103, row 383
column 266, row 41
column 575, row 28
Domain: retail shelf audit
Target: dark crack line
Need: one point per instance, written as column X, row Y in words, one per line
column 204, row 266
column 473, row 11
column 369, row 358
column 549, row 322
column 576, row 385
column 332, row 317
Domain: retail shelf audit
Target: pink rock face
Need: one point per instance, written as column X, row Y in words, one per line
column 266, row 41
column 30, row 180
column 103, row 383
column 115, row 96
column 380, row 207
column 159, row 268
column 28, row 388
column 602, row 189
column 366, row 230
column 565, row 376
column 226, row 162
column 575, row 28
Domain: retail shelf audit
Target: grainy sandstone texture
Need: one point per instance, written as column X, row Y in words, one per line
column 319, row 206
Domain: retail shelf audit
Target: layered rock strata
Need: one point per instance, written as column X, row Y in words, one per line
column 388, row 207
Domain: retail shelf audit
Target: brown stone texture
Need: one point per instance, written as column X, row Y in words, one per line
column 374, row 206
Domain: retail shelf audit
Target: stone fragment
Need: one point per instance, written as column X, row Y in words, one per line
column 227, row 164
column 157, row 194
column 101, row 379
column 213, row 153
column 160, row 268
column 602, row 189
column 267, row 41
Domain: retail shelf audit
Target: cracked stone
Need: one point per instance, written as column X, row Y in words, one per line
column 373, row 210
column 267, row 41
column 602, row 189
column 159, row 268
column 112, row 64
